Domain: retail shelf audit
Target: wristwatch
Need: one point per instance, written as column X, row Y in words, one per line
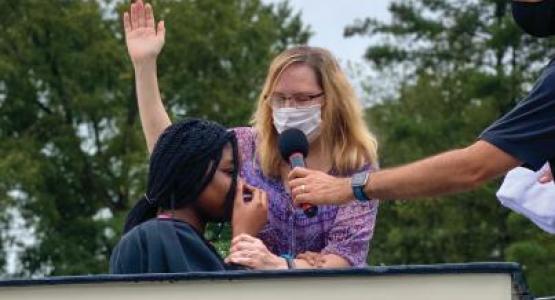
column 358, row 182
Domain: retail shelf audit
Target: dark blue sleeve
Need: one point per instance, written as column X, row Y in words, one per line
column 528, row 131
column 127, row 257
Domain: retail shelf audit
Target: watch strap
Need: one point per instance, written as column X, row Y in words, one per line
column 358, row 187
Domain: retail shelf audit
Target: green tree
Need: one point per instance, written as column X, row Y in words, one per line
column 462, row 64
column 62, row 104
column 72, row 157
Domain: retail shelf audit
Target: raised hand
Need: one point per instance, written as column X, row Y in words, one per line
column 144, row 40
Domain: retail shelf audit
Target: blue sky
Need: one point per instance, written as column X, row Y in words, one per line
column 328, row 18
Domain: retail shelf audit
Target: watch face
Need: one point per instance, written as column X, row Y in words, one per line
column 359, row 179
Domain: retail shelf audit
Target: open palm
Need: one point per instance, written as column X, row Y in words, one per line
column 144, row 40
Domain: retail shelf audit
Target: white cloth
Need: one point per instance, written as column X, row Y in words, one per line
column 522, row 193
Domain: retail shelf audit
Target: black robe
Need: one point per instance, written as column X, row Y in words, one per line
column 164, row 246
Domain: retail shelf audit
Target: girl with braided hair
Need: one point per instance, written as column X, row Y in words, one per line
column 192, row 180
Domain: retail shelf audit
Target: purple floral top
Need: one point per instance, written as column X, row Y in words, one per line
column 340, row 230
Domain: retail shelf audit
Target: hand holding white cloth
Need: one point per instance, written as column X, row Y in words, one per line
column 523, row 193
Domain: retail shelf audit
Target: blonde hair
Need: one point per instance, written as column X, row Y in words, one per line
column 344, row 133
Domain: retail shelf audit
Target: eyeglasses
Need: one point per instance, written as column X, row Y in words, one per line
column 297, row 100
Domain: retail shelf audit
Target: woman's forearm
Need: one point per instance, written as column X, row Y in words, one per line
column 154, row 118
column 326, row 261
column 332, row 261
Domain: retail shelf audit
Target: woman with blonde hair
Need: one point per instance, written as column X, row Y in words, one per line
column 304, row 89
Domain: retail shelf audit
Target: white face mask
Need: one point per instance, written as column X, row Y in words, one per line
column 306, row 119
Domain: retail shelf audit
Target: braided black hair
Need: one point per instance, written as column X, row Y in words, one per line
column 182, row 164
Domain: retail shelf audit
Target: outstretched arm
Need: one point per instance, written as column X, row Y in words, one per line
column 446, row 173
column 144, row 42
